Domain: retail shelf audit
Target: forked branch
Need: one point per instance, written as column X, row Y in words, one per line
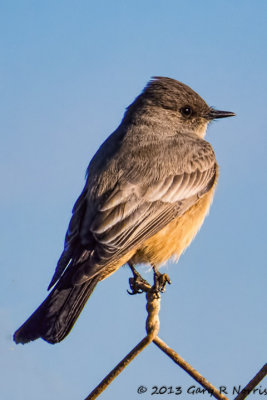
column 152, row 328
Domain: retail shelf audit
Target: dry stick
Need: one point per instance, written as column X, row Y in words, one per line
column 190, row 370
column 118, row 369
column 253, row 383
column 152, row 327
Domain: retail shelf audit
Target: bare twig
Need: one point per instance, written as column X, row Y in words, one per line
column 118, row 369
column 152, row 327
column 252, row 384
column 187, row 367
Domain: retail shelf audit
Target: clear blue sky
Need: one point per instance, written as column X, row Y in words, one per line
column 68, row 69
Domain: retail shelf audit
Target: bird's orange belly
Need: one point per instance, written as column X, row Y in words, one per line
column 172, row 240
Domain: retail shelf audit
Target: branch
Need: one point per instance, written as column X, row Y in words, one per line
column 190, row 370
column 152, row 328
column 252, row 384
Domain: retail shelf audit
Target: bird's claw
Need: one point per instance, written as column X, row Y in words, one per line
column 138, row 285
column 160, row 282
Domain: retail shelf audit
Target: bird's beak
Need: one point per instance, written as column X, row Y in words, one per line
column 214, row 114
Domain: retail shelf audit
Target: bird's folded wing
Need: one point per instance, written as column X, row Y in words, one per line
column 134, row 211
column 123, row 222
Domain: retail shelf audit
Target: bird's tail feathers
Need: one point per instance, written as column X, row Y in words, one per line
column 55, row 317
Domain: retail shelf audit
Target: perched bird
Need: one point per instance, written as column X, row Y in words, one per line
column 147, row 192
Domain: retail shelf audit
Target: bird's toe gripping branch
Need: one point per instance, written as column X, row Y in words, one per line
column 139, row 285
column 160, row 281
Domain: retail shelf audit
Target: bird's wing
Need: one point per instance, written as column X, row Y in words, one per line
column 138, row 206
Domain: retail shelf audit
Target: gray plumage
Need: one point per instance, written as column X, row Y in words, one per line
column 153, row 168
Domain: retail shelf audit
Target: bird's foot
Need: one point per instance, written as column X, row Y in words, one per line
column 137, row 284
column 160, row 281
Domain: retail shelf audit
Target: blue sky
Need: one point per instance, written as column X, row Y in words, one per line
column 67, row 71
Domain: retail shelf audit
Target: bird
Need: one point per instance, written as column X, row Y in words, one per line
column 148, row 189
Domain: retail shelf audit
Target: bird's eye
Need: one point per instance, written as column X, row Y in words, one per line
column 186, row 111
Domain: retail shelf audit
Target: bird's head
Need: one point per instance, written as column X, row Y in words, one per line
column 179, row 103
